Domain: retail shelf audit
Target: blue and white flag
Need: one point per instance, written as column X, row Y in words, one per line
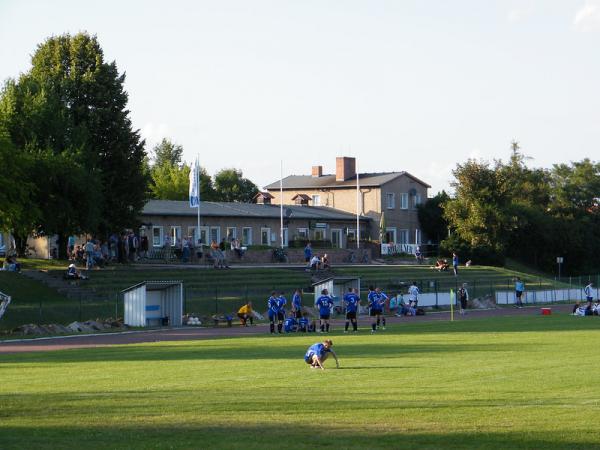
column 194, row 186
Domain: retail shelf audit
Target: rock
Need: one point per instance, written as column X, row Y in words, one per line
column 486, row 302
column 75, row 326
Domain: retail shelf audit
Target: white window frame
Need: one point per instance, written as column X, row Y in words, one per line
column 403, row 200
column 403, row 237
column 264, row 230
column 233, row 235
column 175, row 233
column 390, row 200
column 218, row 234
column 417, row 200
column 191, row 232
column 320, row 230
column 418, row 236
column 392, row 230
column 303, row 233
column 351, row 233
column 160, row 236
column 286, row 237
column 337, row 231
column 316, row 200
column 249, row 240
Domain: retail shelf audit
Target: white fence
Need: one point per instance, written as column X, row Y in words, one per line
column 542, row 296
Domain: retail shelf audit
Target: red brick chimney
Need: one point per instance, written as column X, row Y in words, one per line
column 345, row 168
column 317, row 171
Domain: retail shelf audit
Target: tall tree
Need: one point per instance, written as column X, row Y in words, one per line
column 431, row 217
column 231, row 186
column 72, row 106
column 167, row 153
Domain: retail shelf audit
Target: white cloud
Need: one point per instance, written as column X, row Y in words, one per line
column 587, row 19
column 154, row 133
column 517, row 15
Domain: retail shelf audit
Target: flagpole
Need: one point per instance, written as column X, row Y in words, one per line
column 357, row 208
column 198, row 183
column 281, row 203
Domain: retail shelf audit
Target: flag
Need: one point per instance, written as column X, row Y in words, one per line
column 194, row 186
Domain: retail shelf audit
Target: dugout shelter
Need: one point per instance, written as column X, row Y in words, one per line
column 153, row 303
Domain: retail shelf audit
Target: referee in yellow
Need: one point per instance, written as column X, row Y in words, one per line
column 246, row 313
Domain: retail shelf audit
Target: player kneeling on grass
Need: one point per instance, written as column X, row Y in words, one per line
column 318, row 353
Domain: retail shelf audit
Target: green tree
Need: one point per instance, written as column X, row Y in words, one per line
column 170, row 182
column 231, row 186
column 167, row 153
column 71, row 107
column 431, row 217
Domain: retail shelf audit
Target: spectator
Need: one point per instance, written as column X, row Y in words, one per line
column 74, row 274
column 89, row 254
column 71, row 247
column 325, row 263
column 455, row 263
column 463, row 298
column 418, row 255
column 308, row 253
column 144, row 246
column 315, row 263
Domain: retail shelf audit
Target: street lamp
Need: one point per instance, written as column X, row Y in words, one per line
column 559, row 261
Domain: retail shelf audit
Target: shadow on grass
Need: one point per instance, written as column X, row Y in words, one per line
column 228, row 350
column 267, row 436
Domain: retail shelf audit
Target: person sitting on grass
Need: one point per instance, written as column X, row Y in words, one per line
column 245, row 313
column 325, row 263
column 318, row 353
column 315, row 263
column 74, row 274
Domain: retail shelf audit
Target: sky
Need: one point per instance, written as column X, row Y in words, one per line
column 404, row 85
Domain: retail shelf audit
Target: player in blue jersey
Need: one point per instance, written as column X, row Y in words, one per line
column 281, row 302
column 324, row 303
column 297, row 304
column 318, row 353
column 274, row 316
column 376, row 304
column 351, row 301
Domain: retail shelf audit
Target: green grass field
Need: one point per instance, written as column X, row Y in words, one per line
column 501, row 383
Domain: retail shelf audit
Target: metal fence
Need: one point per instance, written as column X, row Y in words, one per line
column 221, row 300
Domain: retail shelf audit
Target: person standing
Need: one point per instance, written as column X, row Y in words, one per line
column 352, row 302
column 589, row 293
column 89, row 254
column 318, row 353
column 463, row 298
column 281, row 302
column 455, row 263
column 376, row 303
column 519, row 289
column 413, row 294
column 273, row 305
column 308, row 254
column 297, row 304
column 324, row 303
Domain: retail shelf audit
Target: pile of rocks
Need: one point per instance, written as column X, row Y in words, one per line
column 486, row 302
column 89, row 326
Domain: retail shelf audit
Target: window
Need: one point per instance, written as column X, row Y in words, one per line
column 303, row 233
column 215, row 234
column 265, row 236
column 417, row 200
column 231, row 233
column 320, row 234
column 417, row 236
column 285, row 237
column 316, row 200
column 204, row 232
column 246, row 236
column 336, row 238
column 390, row 235
column 404, row 200
column 390, row 200
column 175, row 235
column 403, row 237
column 157, row 236
column 351, row 234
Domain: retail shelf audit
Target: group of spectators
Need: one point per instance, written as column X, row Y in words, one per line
column 314, row 261
column 119, row 247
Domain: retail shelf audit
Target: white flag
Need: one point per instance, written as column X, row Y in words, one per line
column 194, row 186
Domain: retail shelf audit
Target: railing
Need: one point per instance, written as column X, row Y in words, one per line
column 4, row 302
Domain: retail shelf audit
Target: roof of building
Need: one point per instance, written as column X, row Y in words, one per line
column 329, row 181
column 233, row 209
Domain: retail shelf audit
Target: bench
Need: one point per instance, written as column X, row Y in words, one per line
column 222, row 319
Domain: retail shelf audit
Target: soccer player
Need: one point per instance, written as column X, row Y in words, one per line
column 352, row 301
column 463, row 297
column 245, row 313
column 273, row 305
column 318, row 353
column 519, row 289
column 297, row 304
column 281, row 302
column 413, row 294
column 324, row 303
column 376, row 303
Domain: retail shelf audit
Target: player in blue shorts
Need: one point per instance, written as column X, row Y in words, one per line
column 351, row 301
column 324, row 303
column 318, row 353
column 297, row 304
column 274, row 313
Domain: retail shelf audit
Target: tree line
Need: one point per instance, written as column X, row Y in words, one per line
column 507, row 210
column 70, row 160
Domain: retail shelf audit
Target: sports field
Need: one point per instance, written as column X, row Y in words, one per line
column 499, row 382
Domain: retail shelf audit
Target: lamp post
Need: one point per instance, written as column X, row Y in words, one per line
column 559, row 261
